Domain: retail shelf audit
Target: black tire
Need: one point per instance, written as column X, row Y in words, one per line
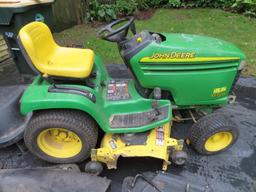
column 76, row 121
column 179, row 157
column 208, row 126
column 93, row 167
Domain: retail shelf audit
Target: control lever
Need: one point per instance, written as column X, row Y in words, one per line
column 133, row 28
column 155, row 104
column 157, row 93
column 155, row 107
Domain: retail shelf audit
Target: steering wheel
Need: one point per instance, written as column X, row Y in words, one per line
column 117, row 35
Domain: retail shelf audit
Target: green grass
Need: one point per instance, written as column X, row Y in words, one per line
column 235, row 28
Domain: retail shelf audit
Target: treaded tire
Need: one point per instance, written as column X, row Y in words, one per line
column 76, row 121
column 208, row 126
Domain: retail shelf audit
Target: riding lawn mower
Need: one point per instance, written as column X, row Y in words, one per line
column 73, row 96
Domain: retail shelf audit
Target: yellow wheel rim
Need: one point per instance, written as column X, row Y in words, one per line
column 59, row 143
column 218, row 141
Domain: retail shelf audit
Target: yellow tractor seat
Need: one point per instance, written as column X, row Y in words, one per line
column 51, row 59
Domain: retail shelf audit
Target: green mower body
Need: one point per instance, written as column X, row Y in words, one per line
column 194, row 71
column 73, row 96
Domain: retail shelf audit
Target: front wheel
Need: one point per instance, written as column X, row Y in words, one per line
column 61, row 136
column 213, row 133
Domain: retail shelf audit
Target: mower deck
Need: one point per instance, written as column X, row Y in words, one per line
column 155, row 143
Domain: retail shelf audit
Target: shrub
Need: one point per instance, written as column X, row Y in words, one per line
column 174, row 3
column 106, row 10
column 156, row 3
column 100, row 12
column 125, row 7
column 143, row 5
column 245, row 6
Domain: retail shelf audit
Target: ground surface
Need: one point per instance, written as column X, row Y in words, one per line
column 234, row 170
column 231, row 27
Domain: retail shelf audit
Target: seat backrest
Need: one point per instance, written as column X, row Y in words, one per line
column 38, row 42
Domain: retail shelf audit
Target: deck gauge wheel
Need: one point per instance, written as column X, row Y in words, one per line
column 93, row 167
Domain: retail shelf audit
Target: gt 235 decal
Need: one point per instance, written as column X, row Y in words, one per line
column 218, row 92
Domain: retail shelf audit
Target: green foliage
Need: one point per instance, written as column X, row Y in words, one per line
column 156, row 3
column 246, row 6
column 201, row 3
column 174, row 3
column 125, row 7
column 100, row 12
column 143, row 5
column 106, row 10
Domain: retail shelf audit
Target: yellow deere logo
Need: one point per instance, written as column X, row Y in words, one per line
column 173, row 55
column 180, row 57
column 218, row 92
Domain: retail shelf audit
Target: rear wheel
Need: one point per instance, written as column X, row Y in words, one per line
column 61, row 136
column 213, row 133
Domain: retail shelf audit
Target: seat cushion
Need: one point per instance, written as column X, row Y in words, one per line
column 69, row 62
column 51, row 59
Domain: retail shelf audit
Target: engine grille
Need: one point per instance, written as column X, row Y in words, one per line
column 138, row 119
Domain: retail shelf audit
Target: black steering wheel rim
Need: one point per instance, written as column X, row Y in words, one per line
column 112, row 32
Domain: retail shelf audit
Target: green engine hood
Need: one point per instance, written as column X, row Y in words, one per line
column 195, row 70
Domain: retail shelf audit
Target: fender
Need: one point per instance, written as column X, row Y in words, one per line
column 41, row 96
